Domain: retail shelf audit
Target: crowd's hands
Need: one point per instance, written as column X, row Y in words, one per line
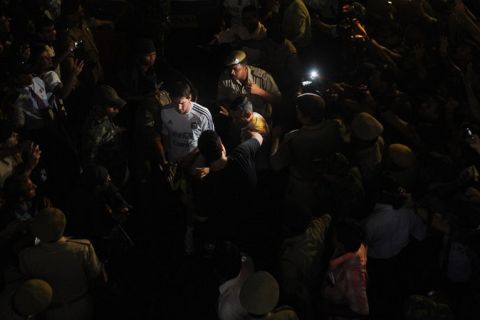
column 224, row 111
column 31, row 153
column 253, row 88
column 201, row 173
column 77, row 67
column 169, row 169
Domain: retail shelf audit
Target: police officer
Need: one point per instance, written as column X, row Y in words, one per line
column 259, row 296
column 67, row 265
column 26, row 300
column 241, row 79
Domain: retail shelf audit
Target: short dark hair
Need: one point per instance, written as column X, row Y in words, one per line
column 15, row 186
column 350, row 234
column 311, row 106
column 242, row 104
column 210, row 145
column 180, row 89
column 296, row 217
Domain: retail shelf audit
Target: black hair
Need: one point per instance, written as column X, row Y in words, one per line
column 210, row 145
column 15, row 186
column 311, row 106
column 350, row 234
column 43, row 22
column 180, row 89
column 242, row 104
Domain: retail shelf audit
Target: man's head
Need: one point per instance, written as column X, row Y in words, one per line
column 32, row 297
column 210, row 146
column 242, row 110
column 45, row 28
column 310, row 108
column 250, row 18
column 19, row 187
column 107, row 101
column 236, row 64
column 181, row 94
column 146, row 52
column 49, row 224
column 41, row 58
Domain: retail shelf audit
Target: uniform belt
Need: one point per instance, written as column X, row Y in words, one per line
column 69, row 302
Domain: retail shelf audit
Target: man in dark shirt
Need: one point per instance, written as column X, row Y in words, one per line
column 231, row 180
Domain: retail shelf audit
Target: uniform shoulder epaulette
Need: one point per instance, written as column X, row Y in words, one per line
column 84, row 242
column 257, row 72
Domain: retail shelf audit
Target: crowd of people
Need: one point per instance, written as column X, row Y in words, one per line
column 334, row 173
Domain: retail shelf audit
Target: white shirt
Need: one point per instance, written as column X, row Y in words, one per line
column 183, row 130
column 388, row 230
column 229, row 307
column 27, row 108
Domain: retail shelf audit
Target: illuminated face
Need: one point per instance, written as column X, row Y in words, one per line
column 30, row 189
column 239, row 72
column 12, row 141
column 45, row 60
column 183, row 104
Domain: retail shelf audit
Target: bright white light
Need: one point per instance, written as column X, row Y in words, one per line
column 314, row 74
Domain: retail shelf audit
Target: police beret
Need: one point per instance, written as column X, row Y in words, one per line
column 49, row 224
column 107, row 96
column 259, row 294
column 401, row 155
column 32, row 297
column 235, row 57
column 366, row 127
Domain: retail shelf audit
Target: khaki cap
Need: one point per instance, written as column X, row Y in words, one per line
column 401, row 155
column 259, row 294
column 235, row 57
column 32, row 297
column 366, row 127
column 49, row 224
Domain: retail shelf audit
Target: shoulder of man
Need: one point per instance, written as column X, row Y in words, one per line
column 79, row 242
column 258, row 72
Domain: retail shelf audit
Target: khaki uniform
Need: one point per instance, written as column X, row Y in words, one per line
column 92, row 72
column 297, row 24
column 229, row 89
column 300, row 148
column 369, row 159
column 68, row 266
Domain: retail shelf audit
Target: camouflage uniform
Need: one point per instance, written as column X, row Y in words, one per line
column 100, row 136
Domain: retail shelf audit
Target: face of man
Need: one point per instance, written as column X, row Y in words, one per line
column 12, row 141
column 149, row 59
column 183, row 104
column 111, row 111
column 30, row 189
column 241, row 118
column 45, row 61
column 239, row 72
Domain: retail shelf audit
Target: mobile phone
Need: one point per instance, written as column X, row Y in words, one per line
column 468, row 133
